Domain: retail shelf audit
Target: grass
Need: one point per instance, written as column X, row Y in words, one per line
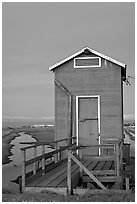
column 7, row 191
column 53, row 197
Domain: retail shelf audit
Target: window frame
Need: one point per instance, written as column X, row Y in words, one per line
column 87, row 66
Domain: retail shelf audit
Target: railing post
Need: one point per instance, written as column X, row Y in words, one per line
column 117, row 159
column 43, row 160
column 59, row 155
column 127, row 184
column 80, row 169
column 73, row 133
column 69, row 187
column 56, row 155
column 121, row 156
column 23, row 169
column 35, row 163
column 115, row 154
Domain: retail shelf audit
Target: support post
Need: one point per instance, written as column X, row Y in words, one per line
column 23, row 169
column 73, row 132
column 115, row 154
column 56, row 155
column 43, row 160
column 70, row 118
column 35, row 163
column 80, row 169
column 69, row 187
column 60, row 154
column 127, row 184
column 117, row 159
column 121, row 156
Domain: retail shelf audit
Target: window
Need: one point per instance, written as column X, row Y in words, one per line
column 83, row 62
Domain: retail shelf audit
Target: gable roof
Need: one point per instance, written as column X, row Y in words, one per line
column 53, row 67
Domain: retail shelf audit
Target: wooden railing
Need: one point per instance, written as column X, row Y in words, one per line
column 116, row 157
column 72, row 152
column 45, row 158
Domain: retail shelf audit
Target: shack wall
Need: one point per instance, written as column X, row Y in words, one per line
column 105, row 81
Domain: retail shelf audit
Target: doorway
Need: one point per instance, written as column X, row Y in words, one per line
column 88, row 122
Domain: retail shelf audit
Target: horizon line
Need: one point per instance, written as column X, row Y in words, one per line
column 26, row 117
column 126, row 116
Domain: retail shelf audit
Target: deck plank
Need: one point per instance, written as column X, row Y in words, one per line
column 113, row 165
column 92, row 165
column 62, row 177
column 99, row 166
column 48, row 175
column 57, row 177
column 55, row 181
column 53, row 175
column 74, row 174
column 107, row 165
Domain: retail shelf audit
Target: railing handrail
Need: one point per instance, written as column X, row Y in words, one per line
column 36, row 144
column 117, row 141
column 110, row 146
column 47, row 155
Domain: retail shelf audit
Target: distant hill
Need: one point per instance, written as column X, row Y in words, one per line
column 9, row 122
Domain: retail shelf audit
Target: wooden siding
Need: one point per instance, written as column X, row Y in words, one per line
column 104, row 81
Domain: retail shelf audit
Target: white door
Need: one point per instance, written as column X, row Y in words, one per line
column 88, row 124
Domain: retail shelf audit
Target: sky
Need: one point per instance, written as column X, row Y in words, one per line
column 37, row 35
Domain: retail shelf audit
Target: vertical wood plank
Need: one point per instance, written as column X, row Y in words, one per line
column 117, row 159
column 69, row 187
column 56, row 155
column 43, row 160
column 127, row 183
column 23, row 169
column 121, row 153
column 35, row 163
column 60, row 153
column 73, row 132
column 80, row 169
column 115, row 154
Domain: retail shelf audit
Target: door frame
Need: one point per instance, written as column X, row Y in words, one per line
column 77, row 114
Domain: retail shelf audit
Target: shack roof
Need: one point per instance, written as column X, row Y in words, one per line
column 53, row 67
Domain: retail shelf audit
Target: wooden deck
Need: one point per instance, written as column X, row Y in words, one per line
column 73, row 170
column 57, row 176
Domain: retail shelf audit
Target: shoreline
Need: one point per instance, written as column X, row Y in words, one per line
column 14, row 132
column 6, row 146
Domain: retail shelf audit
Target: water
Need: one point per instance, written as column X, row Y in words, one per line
column 16, row 157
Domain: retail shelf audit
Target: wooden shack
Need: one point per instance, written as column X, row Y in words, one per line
column 89, row 98
column 88, row 127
